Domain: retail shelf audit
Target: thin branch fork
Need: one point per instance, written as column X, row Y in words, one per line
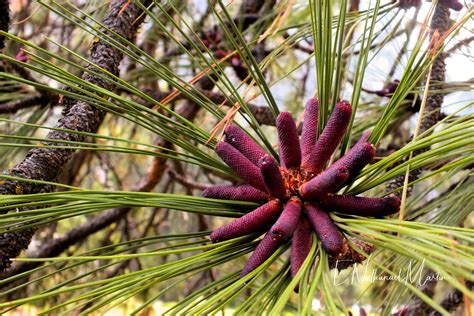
column 24, row 103
column 440, row 25
column 58, row 245
column 156, row 170
column 262, row 113
column 47, row 163
column 42, row 97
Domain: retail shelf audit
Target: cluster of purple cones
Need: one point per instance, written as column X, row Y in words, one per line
column 297, row 194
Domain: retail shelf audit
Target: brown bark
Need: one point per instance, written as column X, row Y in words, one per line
column 440, row 22
column 97, row 223
column 27, row 102
column 47, row 163
column 58, row 245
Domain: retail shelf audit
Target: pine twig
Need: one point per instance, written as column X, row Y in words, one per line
column 24, row 103
column 46, row 163
column 432, row 113
column 440, row 23
column 42, row 97
column 58, row 245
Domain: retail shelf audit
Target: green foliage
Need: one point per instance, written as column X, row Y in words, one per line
column 436, row 232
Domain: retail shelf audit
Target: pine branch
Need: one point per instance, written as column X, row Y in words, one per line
column 24, row 103
column 459, row 45
column 55, row 247
column 42, row 97
column 58, row 245
column 440, row 23
column 262, row 113
column 47, row 163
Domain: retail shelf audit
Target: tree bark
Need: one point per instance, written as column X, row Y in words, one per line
column 440, row 23
column 46, row 163
column 58, row 245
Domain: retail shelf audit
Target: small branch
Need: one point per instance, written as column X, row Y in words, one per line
column 186, row 183
column 58, row 245
column 42, row 98
column 459, row 45
column 46, row 163
column 27, row 102
column 440, row 23
column 262, row 114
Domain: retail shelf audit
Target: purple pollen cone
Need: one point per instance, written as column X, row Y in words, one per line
column 327, row 231
column 243, row 143
column 264, row 250
column 327, row 181
column 330, row 137
column 453, row 4
column 288, row 221
column 310, row 129
column 241, row 165
column 298, row 195
column 290, row 152
column 362, row 206
column 249, row 223
column 356, row 158
column 272, row 177
column 235, row 192
column 300, row 247
column 365, row 136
